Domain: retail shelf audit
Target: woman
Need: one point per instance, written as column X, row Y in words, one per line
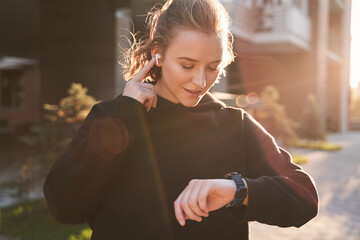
column 150, row 164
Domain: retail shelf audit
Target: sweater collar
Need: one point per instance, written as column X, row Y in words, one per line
column 207, row 103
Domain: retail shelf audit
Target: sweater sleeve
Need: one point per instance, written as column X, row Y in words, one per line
column 279, row 191
column 79, row 178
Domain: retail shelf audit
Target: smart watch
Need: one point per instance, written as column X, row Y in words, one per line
column 241, row 190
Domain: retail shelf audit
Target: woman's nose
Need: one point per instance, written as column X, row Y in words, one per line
column 200, row 79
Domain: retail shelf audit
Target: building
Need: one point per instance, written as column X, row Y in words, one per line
column 300, row 47
column 19, row 93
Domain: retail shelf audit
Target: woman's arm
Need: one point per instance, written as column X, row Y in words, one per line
column 79, row 178
column 279, row 192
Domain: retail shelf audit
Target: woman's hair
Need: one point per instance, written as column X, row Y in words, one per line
column 207, row 16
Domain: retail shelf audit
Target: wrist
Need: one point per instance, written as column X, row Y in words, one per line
column 241, row 190
column 245, row 202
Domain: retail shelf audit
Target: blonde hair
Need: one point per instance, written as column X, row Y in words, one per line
column 208, row 16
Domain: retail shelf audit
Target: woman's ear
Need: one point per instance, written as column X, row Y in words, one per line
column 157, row 54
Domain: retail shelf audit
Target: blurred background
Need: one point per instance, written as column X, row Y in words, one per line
column 296, row 72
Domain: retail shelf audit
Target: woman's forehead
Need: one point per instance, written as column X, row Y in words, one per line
column 196, row 45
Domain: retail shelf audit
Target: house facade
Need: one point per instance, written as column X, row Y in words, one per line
column 299, row 46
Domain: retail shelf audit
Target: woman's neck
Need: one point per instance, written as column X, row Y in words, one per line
column 164, row 92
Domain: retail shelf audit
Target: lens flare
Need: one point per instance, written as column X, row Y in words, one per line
column 109, row 137
column 252, row 98
column 241, row 101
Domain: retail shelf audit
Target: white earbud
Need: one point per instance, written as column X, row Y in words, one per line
column 157, row 56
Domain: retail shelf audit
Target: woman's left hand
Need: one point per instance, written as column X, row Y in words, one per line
column 202, row 196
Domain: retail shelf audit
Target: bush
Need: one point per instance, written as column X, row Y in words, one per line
column 272, row 115
column 300, row 159
column 311, row 127
column 318, row 145
column 54, row 135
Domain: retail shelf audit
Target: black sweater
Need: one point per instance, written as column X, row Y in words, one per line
column 125, row 168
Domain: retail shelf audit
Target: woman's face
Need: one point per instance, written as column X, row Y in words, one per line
column 192, row 59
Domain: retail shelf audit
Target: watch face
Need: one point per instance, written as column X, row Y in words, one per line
column 230, row 174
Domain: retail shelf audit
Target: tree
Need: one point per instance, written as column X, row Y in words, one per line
column 272, row 115
column 51, row 138
column 311, row 127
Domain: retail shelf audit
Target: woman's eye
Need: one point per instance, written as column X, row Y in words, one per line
column 214, row 69
column 187, row 67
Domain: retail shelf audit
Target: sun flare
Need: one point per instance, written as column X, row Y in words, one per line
column 355, row 45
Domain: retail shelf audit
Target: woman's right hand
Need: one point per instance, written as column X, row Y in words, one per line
column 142, row 92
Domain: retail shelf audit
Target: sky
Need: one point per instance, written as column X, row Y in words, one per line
column 355, row 44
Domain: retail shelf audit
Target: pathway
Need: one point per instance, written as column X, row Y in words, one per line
column 337, row 177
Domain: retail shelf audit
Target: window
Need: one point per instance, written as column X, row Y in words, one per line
column 302, row 5
column 11, row 89
column 298, row 3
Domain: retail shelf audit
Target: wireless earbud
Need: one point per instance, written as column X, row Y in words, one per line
column 157, row 56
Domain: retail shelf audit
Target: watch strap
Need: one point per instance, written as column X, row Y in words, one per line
column 241, row 190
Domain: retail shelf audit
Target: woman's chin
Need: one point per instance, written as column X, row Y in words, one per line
column 192, row 102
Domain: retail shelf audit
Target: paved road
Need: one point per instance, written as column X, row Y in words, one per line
column 337, row 177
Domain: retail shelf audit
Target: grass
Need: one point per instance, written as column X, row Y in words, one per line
column 299, row 159
column 322, row 145
column 31, row 220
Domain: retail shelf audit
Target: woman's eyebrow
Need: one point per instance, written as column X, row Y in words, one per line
column 193, row 60
column 187, row 58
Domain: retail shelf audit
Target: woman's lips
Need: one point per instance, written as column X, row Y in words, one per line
column 193, row 93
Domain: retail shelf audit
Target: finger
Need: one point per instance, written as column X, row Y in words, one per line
column 202, row 197
column 148, row 105
column 185, row 205
column 179, row 214
column 155, row 99
column 147, row 97
column 151, row 102
column 152, row 88
column 144, row 71
column 189, row 213
column 147, row 85
column 194, row 199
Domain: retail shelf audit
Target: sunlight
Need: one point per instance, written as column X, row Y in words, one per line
column 355, row 45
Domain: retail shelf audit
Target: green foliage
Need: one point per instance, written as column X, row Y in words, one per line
column 54, row 135
column 311, row 127
column 83, row 235
column 300, row 159
column 17, row 221
column 273, row 117
column 318, row 145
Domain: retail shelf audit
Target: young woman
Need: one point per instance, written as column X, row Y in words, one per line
column 158, row 161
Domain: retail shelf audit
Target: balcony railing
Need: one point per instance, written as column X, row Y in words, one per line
column 280, row 23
